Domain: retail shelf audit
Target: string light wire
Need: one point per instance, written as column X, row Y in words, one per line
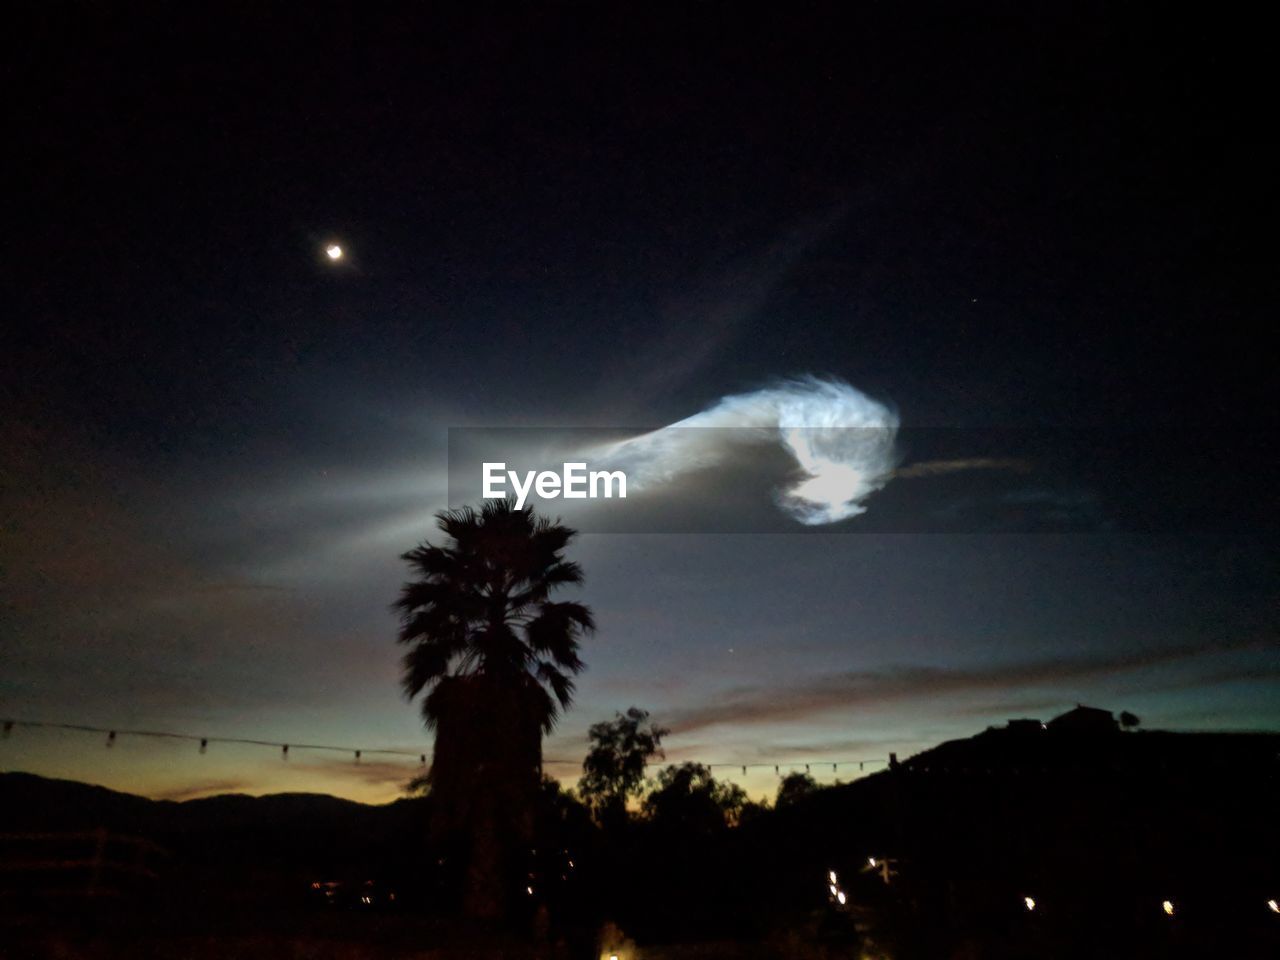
column 286, row 748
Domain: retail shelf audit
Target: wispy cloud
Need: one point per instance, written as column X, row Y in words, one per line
column 695, row 325
column 942, row 468
column 866, row 689
column 1027, row 706
column 373, row 773
column 203, row 788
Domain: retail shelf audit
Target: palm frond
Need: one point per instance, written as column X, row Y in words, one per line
column 478, row 607
column 561, row 685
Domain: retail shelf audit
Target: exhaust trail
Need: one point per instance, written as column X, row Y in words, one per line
column 841, row 440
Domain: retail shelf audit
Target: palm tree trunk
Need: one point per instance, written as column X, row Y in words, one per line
column 484, row 897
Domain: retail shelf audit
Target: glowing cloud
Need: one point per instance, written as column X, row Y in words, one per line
column 842, row 441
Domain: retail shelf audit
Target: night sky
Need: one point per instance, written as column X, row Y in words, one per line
column 217, row 442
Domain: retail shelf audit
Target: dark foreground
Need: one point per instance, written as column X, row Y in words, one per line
column 1061, row 840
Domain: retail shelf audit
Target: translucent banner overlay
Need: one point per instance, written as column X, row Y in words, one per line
column 864, row 480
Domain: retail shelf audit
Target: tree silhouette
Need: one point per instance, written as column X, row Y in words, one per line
column 614, row 766
column 688, row 799
column 495, row 657
column 1129, row 720
column 795, row 786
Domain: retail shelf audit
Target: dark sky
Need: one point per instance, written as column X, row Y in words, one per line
column 216, row 443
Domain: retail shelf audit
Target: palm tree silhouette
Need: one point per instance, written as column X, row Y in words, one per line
column 495, row 656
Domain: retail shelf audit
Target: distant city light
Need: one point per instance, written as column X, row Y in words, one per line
column 333, row 251
column 1030, row 902
column 833, row 888
column 831, row 875
column 871, row 861
column 1273, row 906
column 841, row 897
column 1167, row 906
